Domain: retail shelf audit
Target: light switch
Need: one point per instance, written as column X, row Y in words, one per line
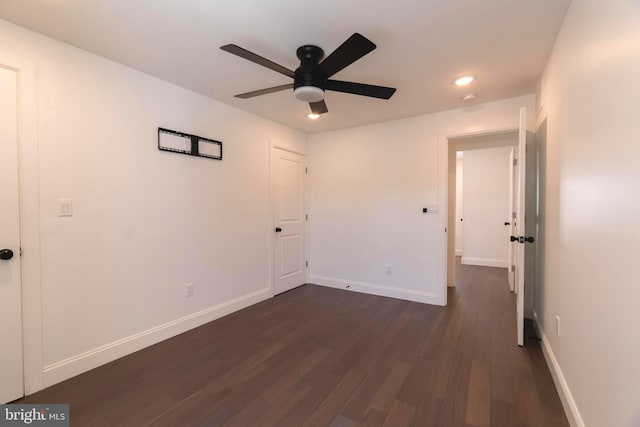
column 66, row 207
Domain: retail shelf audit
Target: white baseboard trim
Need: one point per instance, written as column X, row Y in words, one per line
column 569, row 404
column 374, row 289
column 458, row 252
column 485, row 262
column 91, row 359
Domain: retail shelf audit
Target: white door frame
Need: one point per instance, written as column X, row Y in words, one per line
column 29, row 222
column 459, row 213
column 275, row 146
column 444, row 138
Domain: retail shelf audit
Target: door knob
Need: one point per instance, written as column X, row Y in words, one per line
column 507, row 223
column 278, row 229
column 522, row 239
column 6, row 254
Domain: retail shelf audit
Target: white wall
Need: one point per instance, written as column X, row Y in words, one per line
column 486, row 207
column 145, row 222
column 368, row 188
column 591, row 234
column 459, row 204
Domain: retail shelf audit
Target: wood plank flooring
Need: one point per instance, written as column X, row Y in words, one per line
column 316, row 356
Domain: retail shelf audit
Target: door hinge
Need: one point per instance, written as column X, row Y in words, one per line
column 21, row 252
column 306, row 170
column 306, row 263
column 445, row 229
column 306, row 217
column 515, row 162
column 513, row 268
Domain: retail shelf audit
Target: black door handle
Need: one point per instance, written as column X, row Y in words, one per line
column 6, row 254
column 522, row 239
column 278, row 229
column 507, row 223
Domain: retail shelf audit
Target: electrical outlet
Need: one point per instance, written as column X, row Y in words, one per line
column 348, row 285
column 388, row 269
column 558, row 325
column 188, row 290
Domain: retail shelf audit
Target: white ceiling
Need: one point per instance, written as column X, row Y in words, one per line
column 422, row 46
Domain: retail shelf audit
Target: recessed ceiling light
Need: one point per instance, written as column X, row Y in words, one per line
column 469, row 97
column 464, row 80
column 313, row 116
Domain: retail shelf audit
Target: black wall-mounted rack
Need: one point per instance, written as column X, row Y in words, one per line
column 193, row 145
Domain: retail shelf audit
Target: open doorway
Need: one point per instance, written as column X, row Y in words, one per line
column 524, row 202
column 481, row 201
column 482, row 207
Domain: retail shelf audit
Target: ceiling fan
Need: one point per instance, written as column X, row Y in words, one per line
column 312, row 78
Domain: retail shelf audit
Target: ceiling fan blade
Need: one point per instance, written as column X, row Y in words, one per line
column 354, row 48
column 250, row 56
column 381, row 92
column 265, row 91
column 319, row 107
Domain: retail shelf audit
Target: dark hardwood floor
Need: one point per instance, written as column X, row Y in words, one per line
column 316, row 356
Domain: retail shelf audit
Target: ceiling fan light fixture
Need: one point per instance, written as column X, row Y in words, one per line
column 309, row 93
column 464, row 80
column 313, row 116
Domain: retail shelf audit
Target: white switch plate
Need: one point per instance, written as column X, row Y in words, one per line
column 66, row 207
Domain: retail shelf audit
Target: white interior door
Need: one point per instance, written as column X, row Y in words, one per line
column 519, row 245
column 511, row 220
column 289, row 177
column 11, row 368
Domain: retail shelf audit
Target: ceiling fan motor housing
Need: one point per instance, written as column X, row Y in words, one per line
column 308, row 84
